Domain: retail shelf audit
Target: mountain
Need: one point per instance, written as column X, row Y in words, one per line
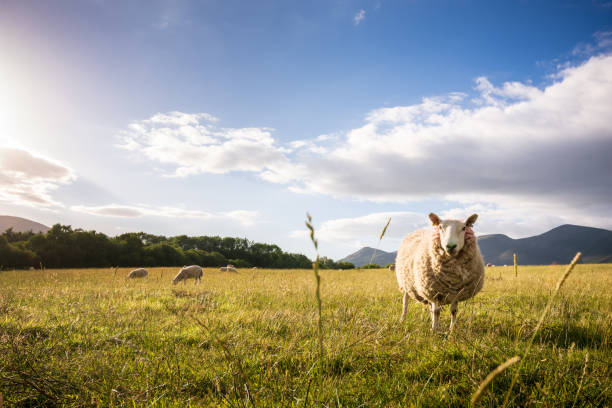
column 364, row 255
column 559, row 245
column 20, row 224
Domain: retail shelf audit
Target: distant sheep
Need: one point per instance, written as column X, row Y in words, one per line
column 138, row 273
column 228, row 268
column 440, row 268
column 188, row 272
column 392, row 267
column 490, row 264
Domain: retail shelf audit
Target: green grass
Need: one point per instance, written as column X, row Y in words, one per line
column 91, row 338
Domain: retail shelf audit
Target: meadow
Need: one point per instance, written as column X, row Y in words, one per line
column 90, row 337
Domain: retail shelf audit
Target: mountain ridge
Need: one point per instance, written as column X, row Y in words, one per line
column 557, row 245
column 364, row 256
column 20, row 224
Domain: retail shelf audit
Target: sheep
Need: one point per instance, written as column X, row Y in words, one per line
column 392, row 267
column 228, row 268
column 440, row 268
column 137, row 273
column 187, row 272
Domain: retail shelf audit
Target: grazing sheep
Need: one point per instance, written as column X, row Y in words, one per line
column 440, row 268
column 228, row 268
column 490, row 264
column 138, row 273
column 392, row 267
column 188, row 272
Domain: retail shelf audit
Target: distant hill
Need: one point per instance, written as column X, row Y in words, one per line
column 364, row 255
column 559, row 245
column 20, row 224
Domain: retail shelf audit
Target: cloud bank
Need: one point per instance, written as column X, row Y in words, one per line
column 244, row 217
column 28, row 179
column 522, row 141
column 508, row 147
column 193, row 144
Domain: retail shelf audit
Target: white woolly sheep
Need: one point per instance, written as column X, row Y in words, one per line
column 228, row 268
column 138, row 273
column 440, row 268
column 188, row 272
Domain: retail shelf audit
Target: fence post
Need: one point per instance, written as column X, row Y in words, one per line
column 515, row 267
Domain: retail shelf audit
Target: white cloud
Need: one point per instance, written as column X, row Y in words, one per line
column 602, row 42
column 520, row 146
column 28, row 179
column 193, row 144
column 243, row 217
column 538, row 146
column 359, row 17
column 367, row 227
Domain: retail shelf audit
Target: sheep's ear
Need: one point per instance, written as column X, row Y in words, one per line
column 471, row 220
column 435, row 220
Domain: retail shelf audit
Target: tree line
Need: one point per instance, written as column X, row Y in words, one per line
column 64, row 247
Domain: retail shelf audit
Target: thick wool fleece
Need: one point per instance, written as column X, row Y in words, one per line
column 429, row 275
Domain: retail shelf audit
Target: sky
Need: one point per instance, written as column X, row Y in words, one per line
column 236, row 118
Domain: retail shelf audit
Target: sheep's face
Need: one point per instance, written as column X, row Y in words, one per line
column 174, row 281
column 452, row 232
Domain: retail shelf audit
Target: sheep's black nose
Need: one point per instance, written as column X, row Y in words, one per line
column 451, row 247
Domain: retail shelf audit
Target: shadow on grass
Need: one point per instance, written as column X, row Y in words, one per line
column 29, row 334
column 564, row 335
column 560, row 334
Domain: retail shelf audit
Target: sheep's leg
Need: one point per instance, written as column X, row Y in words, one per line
column 435, row 315
column 453, row 312
column 404, row 307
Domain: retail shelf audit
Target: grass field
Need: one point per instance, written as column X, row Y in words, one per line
column 91, row 338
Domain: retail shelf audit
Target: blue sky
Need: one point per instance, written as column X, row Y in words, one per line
column 235, row 118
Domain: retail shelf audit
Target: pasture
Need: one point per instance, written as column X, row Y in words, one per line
column 90, row 337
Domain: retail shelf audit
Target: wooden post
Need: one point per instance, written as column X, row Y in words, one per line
column 515, row 267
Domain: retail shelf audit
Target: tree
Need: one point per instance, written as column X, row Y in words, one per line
column 12, row 256
column 63, row 247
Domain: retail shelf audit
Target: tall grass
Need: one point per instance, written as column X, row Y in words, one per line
column 315, row 267
column 498, row 370
column 382, row 234
column 543, row 316
column 78, row 338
